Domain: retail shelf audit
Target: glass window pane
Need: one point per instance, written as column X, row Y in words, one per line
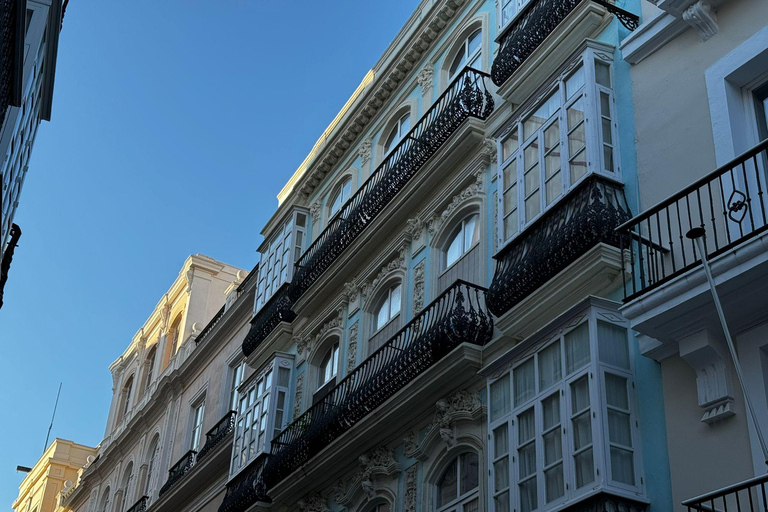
column 471, row 233
column 582, row 431
column 619, row 428
column 283, row 375
column 550, row 368
column 501, row 502
column 575, row 113
column 395, row 301
column 532, row 206
column 469, row 472
column 454, row 250
column 576, row 348
column 574, row 82
column 551, row 136
column 580, row 395
column 510, row 225
column 527, row 456
column 446, row 487
column 550, row 410
column 554, row 186
column 576, row 140
column 612, row 344
column 501, row 474
column 383, row 315
column 553, row 447
column 528, row 496
column 472, row 506
column 458, row 61
column 524, row 382
column 541, row 114
column 608, row 158
column 501, row 441
column 526, row 426
column 474, row 41
column 622, row 466
column 607, row 135
column 405, row 125
column 554, row 483
column 585, row 468
column 509, row 145
column 616, row 391
column 602, row 73
column 500, row 398
column 510, row 174
column 578, row 165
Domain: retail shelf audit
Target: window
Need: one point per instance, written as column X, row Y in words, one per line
column 238, row 371
column 469, row 54
column 547, row 150
column 126, row 487
column 389, row 307
column 261, row 413
column 509, row 8
column 547, row 447
column 152, row 459
column 457, row 489
column 463, row 238
column 761, row 111
column 127, row 391
column 197, row 426
column 150, row 367
column 105, row 501
column 329, row 367
column 279, row 255
column 339, row 197
column 401, row 128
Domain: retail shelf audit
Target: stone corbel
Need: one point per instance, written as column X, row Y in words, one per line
column 701, row 16
column 707, row 355
column 425, row 79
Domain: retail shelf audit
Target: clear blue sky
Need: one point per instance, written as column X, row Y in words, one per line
column 175, row 123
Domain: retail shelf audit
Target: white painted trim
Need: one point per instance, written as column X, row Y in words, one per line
column 651, row 36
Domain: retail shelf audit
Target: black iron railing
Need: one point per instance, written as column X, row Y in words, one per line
column 12, row 16
column 465, row 97
column 276, row 310
column 178, row 470
column 748, row 496
column 215, row 320
column 587, row 216
column 246, row 488
column 457, row 316
column 537, row 20
column 728, row 203
column 222, row 429
column 140, row 506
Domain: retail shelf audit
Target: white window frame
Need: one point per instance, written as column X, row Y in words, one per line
column 595, row 371
column 236, row 375
column 333, row 365
column 338, row 192
column 461, row 226
column 461, row 500
column 198, row 417
column 467, row 57
column 589, row 93
column 518, row 6
column 385, row 299
column 398, row 127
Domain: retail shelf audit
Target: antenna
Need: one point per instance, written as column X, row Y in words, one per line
column 52, row 416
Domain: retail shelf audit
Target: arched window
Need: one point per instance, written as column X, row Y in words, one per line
column 457, row 488
column 462, row 239
column 339, row 197
column 151, row 464
column 127, row 392
column 470, row 54
column 104, row 506
column 172, row 339
column 150, row 375
column 126, row 488
column 389, row 307
column 329, row 367
column 398, row 131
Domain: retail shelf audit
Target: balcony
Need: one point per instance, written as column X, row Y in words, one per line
column 221, row 430
column 465, row 97
column 534, row 24
column 215, row 320
column 140, row 506
column 586, row 217
column 276, row 310
column 748, row 496
column 246, row 488
column 455, row 317
column 728, row 203
column 179, row 470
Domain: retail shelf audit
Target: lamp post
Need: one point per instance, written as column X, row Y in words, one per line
column 697, row 235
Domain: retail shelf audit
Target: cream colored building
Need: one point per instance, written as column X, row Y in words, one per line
column 55, row 473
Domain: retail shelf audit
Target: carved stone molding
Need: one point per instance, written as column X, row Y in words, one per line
column 489, row 148
column 313, row 503
column 436, row 221
column 415, row 229
column 298, row 396
column 418, row 286
column 352, row 296
column 309, row 343
column 707, row 355
column 380, row 462
column 702, row 17
column 352, row 348
column 364, row 151
column 409, row 503
column 314, row 210
column 398, row 263
column 425, row 79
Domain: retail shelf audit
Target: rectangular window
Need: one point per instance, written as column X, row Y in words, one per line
column 261, row 412
column 197, row 426
column 508, row 9
column 238, row 371
column 555, row 143
column 561, row 419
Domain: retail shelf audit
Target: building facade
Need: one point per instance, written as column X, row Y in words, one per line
column 700, row 79
column 30, row 38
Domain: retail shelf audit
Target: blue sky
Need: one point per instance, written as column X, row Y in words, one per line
column 175, row 123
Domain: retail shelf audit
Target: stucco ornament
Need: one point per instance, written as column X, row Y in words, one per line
column 418, row 286
column 380, row 461
column 425, row 79
column 414, row 227
column 489, row 147
column 436, row 220
column 351, row 291
column 313, row 503
column 410, row 489
column 309, row 343
column 410, row 443
column 314, row 210
column 364, row 151
column 352, row 349
column 298, row 396
column 702, row 17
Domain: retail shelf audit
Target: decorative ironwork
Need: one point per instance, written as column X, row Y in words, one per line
column 178, row 470
column 222, row 429
column 533, row 25
column 140, row 506
column 5, row 263
column 246, row 488
column 587, row 216
column 727, row 203
column 466, row 97
column 276, row 310
column 457, row 316
column 747, row 496
column 211, row 325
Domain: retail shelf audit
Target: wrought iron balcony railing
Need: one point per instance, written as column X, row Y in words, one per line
column 178, row 470
column 457, row 316
column 587, row 216
column 465, row 97
column 246, row 488
column 215, row 320
column 276, row 310
column 222, row 429
column 728, row 203
column 141, row 505
column 537, row 20
column 748, row 496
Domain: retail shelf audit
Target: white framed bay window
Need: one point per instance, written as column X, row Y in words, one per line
column 262, row 411
column 562, row 417
column 568, row 133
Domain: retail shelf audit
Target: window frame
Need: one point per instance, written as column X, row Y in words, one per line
column 460, row 226
column 467, row 58
column 594, row 369
column 338, row 192
column 590, row 93
column 330, row 359
column 196, row 432
column 236, row 377
column 396, row 125
column 385, row 297
column 460, row 500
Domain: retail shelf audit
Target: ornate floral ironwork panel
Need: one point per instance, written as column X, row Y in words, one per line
column 466, row 97
column 178, row 470
column 533, row 25
column 276, row 310
column 458, row 315
column 247, row 487
column 583, row 219
column 222, row 429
